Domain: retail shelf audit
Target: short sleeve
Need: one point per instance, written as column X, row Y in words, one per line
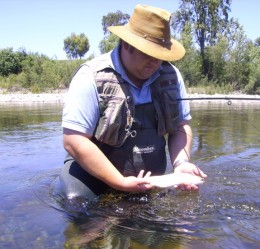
column 81, row 109
column 183, row 105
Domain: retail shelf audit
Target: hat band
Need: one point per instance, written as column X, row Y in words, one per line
column 154, row 39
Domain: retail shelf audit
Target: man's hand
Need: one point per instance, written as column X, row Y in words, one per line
column 137, row 184
column 187, row 169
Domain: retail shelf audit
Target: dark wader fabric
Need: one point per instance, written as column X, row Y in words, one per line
column 76, row 182
column 142, row 150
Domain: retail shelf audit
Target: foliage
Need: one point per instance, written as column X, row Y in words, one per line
column 39, row 73
column 113, row 19
column 190, row 64
column 110, row 40
column 216, row 57
column 253, row 85
column 257, row 42
column 10, row 62
column 218, row 53
column 108, row 43
column 207, row 18
column 76, row 46
column 232, row 60
column 210, row 89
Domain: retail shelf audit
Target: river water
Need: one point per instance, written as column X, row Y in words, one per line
column 224, row 213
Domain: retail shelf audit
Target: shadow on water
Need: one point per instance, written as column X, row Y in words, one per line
column 224, row 213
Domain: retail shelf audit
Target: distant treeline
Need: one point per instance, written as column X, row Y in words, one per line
column 22, row 71
column 219, row 57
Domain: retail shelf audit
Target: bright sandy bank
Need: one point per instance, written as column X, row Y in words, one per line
column 16, row 98
column 59, row 96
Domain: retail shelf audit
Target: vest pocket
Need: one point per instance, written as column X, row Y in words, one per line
column 112, row 121
column 170, row 107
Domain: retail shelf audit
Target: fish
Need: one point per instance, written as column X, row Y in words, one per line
column 175, row 179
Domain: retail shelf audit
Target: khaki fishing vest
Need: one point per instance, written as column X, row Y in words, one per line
column 117, row 109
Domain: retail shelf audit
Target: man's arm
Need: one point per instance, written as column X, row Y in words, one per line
column 180, row 143
column 91, row 159
column 179, row 146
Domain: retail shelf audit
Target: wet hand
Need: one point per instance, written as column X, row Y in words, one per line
column 185, row 171
column 137, row 184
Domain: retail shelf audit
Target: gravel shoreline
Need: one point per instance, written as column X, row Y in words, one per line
column 32, row 98
column 60, row 97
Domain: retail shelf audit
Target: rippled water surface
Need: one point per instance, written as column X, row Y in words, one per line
column 224, row 213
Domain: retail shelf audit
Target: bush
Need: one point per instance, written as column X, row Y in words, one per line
column 39, row 73
column 10, row 62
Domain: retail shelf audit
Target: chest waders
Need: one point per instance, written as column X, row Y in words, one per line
column 143, row 149
column 132, row 137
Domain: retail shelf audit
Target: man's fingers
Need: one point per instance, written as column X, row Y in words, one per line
column 148, row 174
column 199, row 172
column 141, row 174
column 188, row 187
column 202, row 174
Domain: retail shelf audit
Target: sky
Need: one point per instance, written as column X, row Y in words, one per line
column 40, row 26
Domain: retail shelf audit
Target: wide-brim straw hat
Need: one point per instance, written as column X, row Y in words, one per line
column 148, row 30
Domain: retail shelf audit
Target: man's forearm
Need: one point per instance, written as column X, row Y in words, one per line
column 91, row 159
column 179, row 144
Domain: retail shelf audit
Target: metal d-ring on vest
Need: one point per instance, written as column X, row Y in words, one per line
column 132, row 133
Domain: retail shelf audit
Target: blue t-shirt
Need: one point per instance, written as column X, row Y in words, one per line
column 81, row 110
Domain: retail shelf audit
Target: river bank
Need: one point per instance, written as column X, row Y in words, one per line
column 59, row 96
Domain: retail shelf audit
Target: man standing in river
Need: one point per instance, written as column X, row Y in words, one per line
column 119, row 108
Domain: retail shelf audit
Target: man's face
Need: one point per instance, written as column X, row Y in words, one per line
column 139, row 65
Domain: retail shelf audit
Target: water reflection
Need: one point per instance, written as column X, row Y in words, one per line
column 223, row 214
column 222, row 130
column 18, row 117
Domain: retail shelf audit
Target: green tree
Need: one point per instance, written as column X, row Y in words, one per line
column 110, row 41
column 257, row 42
column 76, row 45
column 239, row 56
column 190, row 64
column 253, row 85
column 208, row 19
column 216, row 57
column 11, row 62
column 113, row 19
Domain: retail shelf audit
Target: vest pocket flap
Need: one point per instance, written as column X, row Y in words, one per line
column 112, row 120
column 171, row 109
column 170, row 95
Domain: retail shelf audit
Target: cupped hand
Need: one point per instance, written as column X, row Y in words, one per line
column 186, row 170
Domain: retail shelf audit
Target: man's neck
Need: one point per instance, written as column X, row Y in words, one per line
column 137, row 82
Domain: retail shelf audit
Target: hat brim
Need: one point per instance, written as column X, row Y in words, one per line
column 173, row 52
